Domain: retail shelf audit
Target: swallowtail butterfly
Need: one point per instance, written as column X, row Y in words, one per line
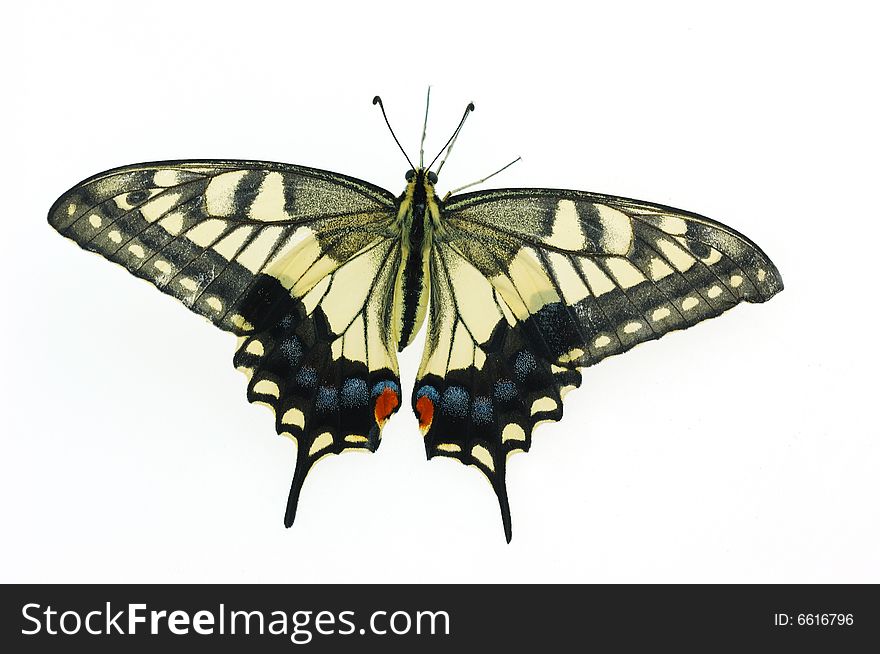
column 323, row 278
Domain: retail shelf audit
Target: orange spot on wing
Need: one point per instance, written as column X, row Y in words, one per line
column 385, row 405
column 425, row 407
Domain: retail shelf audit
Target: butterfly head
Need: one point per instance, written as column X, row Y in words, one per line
column 419, row 199
column 420, row 193
column 421, row 176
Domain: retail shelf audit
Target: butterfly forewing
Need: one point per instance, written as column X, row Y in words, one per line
column 203, row 231
column 597, row 274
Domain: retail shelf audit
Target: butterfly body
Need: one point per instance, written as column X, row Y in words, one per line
column 418, row 216
column 324, row 278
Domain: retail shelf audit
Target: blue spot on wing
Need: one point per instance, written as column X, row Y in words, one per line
column 524, row 364
column 327, row 399
column 355, row 393
column 291, row 348
column 307, row 377
column 430, row 392
column 482, row 412
column 505, row 390
column 455, row 402
column 378, row 387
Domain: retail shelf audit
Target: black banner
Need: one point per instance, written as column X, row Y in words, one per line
column 436, row 618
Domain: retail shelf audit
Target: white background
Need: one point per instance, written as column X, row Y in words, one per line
column 744, row 449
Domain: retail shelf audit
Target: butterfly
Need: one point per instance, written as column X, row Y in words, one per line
column 324, row 278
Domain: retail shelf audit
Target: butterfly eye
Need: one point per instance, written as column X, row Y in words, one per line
column 410, row 174
column 432, row 177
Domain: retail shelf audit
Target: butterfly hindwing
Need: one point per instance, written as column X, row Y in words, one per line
column 297, row 262
column 321, row 357
column 484, row 381
column 530, row 285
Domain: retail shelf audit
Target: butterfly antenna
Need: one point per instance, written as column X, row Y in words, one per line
column 377, row 100
column 480, row 181
column 424, row 131
column 452, row 139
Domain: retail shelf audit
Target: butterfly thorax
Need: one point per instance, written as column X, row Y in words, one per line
column 418, row 217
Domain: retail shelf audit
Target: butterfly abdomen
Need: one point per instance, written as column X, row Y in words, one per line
column 411, row 292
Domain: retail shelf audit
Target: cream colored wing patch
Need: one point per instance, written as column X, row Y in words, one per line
column 465, row 312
